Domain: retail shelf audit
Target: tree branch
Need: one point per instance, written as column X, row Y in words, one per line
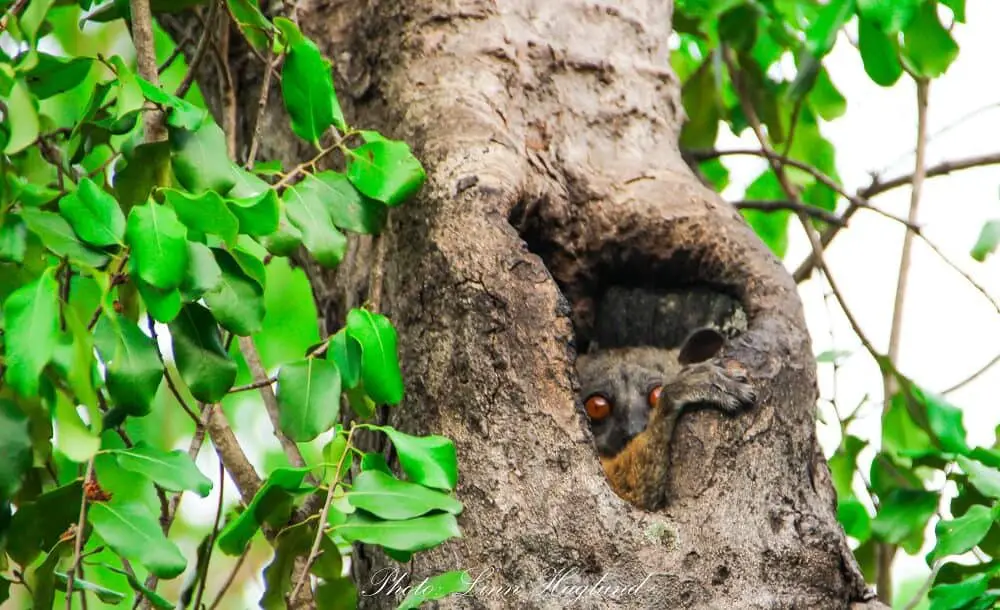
column 773, row 206
column 199, row 52
column 145, row 59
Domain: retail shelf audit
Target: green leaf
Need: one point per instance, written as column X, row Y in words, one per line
column 59, row 237
column 181, row 114
column 411, row 535
column 349, row 209
column 337, row 594
column 31, row 332
column 428, row 460
column 902, row 517
column 272, row 501
column 22, row 131
column 286, row 239
column 148, row 166
column 333, row 454
column 156, row 599
column 107, row 596
column 15, row 448
column 13, row 239
column 986, row 244
column 53, row 74
column 203, row 273
column 844, row 463
column 385, row 170
column 944, row 419
column 986, row 479
column 957, row 596
column 159, row 245
column 201, row 359
column 93, row 214
column 205, row 213
column 823, row 31
column 346, row 353
column 927, row 46
column 436, row 587
column 890, row 16
column 163, row 305
column 42, row 580
column 33, row 19
column 308, row 214
column 738, row 26
column 900, row 434
column 379, row 359
column 200, row 159
column 39, row 525
column 251, row 22
column 699, row 92
column 257, row 214
column 825, row 98
column 957, row 8
column 237, row 302
column 133, row 532
column 389, row 498
column 307, row 88
column 853, row 516
column 173, row 471
column 960, row 535
column 375, row 461
column 134, row 370
column 73, row 438
column 308, row 398
column 130, row 98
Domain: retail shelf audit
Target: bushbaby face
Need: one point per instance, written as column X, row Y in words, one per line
column 619, row 388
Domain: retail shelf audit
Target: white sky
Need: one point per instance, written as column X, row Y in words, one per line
column 949, row 329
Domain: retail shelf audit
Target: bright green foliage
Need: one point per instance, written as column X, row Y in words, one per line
column 309, row 398
column 131, row 265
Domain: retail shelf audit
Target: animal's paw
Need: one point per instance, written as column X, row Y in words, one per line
column 724, row 385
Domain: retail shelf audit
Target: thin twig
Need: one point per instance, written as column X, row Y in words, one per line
column 321, row 526
column 230, row 579
column 78, row 542
column 974, row 376
column 252, row 357
column 197, row 440
column 265, row 92
column 170, row 378
column 212, row 538
column 145, row 59
column 772, row 206
column 885, row 551
column 776, row 163
column 965, row 275
column 199, row 51
column 14, row 10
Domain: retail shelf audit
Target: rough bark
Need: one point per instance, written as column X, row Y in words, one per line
column 549, row 132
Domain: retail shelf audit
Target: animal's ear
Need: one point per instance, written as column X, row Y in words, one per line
column 701, row 345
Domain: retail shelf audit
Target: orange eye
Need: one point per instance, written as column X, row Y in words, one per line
column 598, row 407
column 654, row 396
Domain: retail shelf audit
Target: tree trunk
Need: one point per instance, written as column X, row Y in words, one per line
column 549, row 131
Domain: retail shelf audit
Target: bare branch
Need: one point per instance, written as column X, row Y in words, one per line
column 14, row 10
column 78, row 536
column 772, row 206
column 250, row 354
column 145, row 58
column 199, row 51
column 973, row 376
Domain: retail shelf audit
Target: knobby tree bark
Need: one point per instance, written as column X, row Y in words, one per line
column 549, row 131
